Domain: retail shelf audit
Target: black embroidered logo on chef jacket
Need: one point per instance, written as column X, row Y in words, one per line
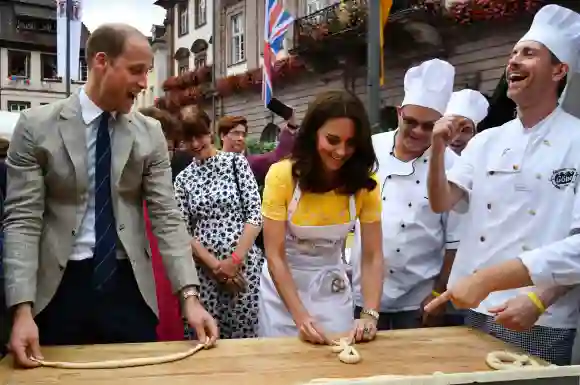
column 563, row 177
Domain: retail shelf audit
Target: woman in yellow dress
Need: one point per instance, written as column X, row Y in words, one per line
column 311, row 202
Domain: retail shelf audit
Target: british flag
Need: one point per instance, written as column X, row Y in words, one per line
column 276, row 23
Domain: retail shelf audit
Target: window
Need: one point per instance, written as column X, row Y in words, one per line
column 182, row 66
column 83, row 70
column 44, row 104
column 19, row 64
column 183, row 22
column 200, row 60
column 237, row 50
column 200, row 13
column 48, row 66
column 17, row 106
column 314, row 6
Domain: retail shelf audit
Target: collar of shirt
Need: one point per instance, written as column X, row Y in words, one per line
column 89, row 110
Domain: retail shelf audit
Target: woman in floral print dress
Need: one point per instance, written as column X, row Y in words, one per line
column 218, row 196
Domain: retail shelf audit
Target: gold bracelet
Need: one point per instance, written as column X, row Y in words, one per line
column 435, row 294
column 537, row 301
column 370, row 313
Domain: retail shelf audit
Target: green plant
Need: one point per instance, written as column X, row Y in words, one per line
column 256, row 147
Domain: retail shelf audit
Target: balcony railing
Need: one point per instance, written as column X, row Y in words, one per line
column 348, row 18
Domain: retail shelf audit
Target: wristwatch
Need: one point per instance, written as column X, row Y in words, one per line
column 190, row 291
column 370, row 313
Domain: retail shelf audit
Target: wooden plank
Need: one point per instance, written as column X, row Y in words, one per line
column 280, row 361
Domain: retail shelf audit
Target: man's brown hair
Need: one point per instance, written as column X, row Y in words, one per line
column 110, row 39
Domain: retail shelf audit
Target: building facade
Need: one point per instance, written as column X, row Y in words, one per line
column 326, row 49
column 159, row 72
column 192, row 34
column 28, row 75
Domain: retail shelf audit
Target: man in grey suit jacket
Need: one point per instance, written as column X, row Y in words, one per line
column 76, row 263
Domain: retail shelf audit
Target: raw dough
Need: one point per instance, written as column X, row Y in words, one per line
column 128, row 363
column 503, row 360
column 346, row 353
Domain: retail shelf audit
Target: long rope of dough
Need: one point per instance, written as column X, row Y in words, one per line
column 128, row 363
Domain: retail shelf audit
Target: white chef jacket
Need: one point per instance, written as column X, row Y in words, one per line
column 521, row 194
column 414, row 237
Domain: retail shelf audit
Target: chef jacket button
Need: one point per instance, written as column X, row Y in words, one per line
column 384, row 198
column 73, row 233
column 491, row 172
column 388, row 177
column 410, row 204
column 424, row 160
column 538, row 176
column 516, row 167
column 482, row 239
column 391, row 153
column 391, row 271
column 546, row 142
column 525, row 248
column 398, row 250
column 121, row 227
column 417, row 181
column 489, row 206
column 402, row 225
column 532, row 212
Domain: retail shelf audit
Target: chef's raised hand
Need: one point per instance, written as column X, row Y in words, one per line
column 310, row 331
column 467, row 293
column 24, row 341
column 447, row 128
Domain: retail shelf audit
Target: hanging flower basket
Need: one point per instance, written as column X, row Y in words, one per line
column 466, row 12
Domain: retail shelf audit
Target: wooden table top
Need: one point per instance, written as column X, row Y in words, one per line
column 279, row 361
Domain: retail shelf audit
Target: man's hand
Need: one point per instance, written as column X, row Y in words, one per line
column 436, row 316
column 199, row 319
column 24, row 341
column 468, row 293
column 446, row 129
column 518, row 313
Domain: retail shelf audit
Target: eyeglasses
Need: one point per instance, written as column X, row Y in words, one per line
column 412, row 123
column 237, row 134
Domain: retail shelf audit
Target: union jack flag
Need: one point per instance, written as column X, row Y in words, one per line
column 276, row 23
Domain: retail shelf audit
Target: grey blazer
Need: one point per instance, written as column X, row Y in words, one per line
column 47, row 197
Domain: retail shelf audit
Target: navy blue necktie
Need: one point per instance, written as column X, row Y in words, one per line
column 105, row 259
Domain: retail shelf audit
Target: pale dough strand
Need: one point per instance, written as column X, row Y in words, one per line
column 347, row 353
column 127, row 363
column 503, row 360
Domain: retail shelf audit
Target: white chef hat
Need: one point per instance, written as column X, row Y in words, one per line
column 430, row 85
column 557, row 28
column 470, row 104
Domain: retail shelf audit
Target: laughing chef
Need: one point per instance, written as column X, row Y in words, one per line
column 520, row 184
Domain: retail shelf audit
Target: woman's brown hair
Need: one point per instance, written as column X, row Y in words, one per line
column 228, row 123
column 194, row 122
column 307, row 167
column 169, row 124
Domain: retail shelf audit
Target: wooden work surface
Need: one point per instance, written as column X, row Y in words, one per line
column 284, row 361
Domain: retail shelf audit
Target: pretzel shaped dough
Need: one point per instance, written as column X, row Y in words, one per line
column 503, row 360
column 346, row 353
column 128, row 363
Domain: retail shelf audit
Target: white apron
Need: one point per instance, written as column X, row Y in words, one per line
column 314, row 256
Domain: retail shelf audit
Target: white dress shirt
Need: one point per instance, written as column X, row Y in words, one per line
column 414, row 237
column 84, row 244
column 522, row 198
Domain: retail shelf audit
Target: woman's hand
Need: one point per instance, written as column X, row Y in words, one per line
column 309, row 331
column 364, row 330
column 226, row 269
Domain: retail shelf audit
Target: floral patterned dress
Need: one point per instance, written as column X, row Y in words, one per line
column 217, row 197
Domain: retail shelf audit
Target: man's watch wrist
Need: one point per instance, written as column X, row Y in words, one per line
column 370, row 313
column 190, row 292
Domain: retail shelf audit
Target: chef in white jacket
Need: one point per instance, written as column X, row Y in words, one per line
column 471, row 105
column 415, row 239
column 520, row 183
